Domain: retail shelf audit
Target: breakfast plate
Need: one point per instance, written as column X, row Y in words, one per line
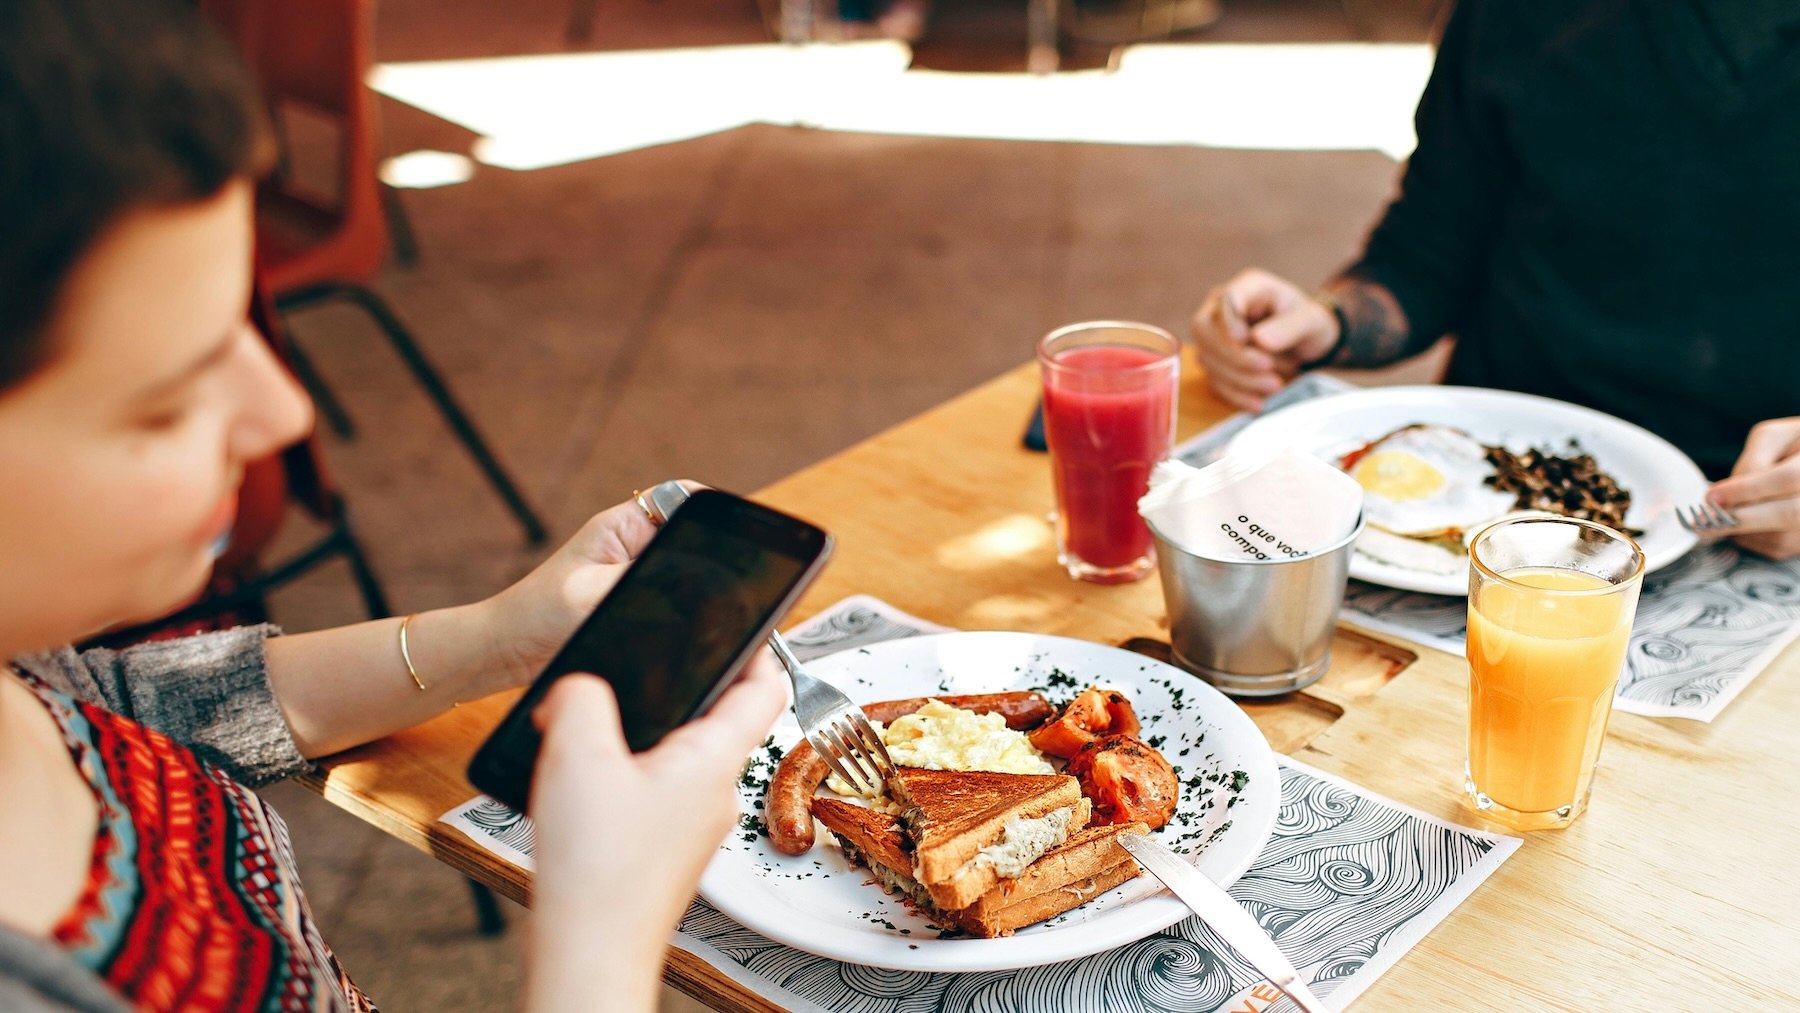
column 1657, row 474
column 821, row 903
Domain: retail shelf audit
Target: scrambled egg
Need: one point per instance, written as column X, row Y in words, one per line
column 938, row 736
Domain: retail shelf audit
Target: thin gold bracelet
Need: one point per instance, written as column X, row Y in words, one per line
column 406, row 655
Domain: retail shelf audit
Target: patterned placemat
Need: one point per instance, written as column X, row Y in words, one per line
column 1348, row 882
column 1706, row 625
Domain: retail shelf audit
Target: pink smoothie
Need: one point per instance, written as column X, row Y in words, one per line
column 1106, row 430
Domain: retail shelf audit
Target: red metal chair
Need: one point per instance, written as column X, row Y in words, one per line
column 314, row 248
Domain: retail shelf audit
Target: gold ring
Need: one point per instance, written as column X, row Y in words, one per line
column 655, row 521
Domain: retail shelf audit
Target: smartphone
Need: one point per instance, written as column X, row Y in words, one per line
column 682, row 621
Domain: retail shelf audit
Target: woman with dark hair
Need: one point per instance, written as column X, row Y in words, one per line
column 137, row 869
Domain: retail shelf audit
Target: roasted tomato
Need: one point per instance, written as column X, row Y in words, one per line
column 1096, row 712
column 1127, row 780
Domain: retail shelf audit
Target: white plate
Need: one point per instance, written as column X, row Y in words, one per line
column 1658, row 476
column 820, row 903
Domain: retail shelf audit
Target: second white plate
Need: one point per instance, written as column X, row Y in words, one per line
column 1656, row 473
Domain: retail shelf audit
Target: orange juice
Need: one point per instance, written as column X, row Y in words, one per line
column 1541, row 674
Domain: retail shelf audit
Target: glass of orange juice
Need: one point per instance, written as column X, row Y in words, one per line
column 1551, row 601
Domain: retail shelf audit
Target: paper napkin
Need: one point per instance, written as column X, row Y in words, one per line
column 1286, row 506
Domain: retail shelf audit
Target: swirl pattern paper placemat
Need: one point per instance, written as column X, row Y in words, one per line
column 1706, row 625
column 1348, row 882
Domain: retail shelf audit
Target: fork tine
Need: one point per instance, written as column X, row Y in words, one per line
column 829, row 752
column 1694, row 518
column 1704, row 518
column 1714, row 518
column 857, row 752
column 1709, row 517
column 856, row 776
column 884, row 765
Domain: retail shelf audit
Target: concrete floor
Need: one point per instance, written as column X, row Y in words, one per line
column 730, row 309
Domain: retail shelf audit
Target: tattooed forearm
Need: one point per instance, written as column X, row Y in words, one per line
column 1375, row 328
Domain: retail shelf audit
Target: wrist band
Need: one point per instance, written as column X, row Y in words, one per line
column 406, row 654
column 1326, row 299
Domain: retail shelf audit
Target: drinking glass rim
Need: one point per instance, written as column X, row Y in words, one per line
column 1161, row 362
column 1637, row 552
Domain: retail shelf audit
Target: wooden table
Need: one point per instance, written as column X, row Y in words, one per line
column 1677, row 889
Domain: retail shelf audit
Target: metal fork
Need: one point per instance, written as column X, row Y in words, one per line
column 1705, row 518
column 835, row 726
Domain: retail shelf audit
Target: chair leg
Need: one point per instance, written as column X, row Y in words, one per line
column 375, row 601
column 330, row 408
column 490, row 921
column 435, row 388
column 459, row 421
column 406, row 244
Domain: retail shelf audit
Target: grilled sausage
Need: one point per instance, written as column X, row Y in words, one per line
column 788, row 811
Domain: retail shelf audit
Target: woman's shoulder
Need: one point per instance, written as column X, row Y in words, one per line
column 107, row 676
column 209, row 692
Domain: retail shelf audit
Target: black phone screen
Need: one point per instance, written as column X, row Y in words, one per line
column 681, row 620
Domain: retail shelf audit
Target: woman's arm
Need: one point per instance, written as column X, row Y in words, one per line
column 259, row 705
column 342, row 687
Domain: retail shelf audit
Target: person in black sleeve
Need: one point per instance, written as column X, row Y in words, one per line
column 1604, row 207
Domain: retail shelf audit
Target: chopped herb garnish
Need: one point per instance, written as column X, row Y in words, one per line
column 752, row 827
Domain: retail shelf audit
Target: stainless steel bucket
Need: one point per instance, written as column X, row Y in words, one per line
column 1254, row 627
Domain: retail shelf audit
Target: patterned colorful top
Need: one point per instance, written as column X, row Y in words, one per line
column 192, row 900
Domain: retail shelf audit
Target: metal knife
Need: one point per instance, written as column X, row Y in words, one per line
column 1226, row 917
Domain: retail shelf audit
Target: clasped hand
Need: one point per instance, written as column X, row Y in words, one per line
column 1255, row 332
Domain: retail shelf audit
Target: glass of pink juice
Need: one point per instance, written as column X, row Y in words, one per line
column 1109, row 416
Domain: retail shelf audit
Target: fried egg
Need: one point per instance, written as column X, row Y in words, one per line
column 1427, row 481
column 1418, row 555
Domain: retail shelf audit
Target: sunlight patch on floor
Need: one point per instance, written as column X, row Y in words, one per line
column 537, row 111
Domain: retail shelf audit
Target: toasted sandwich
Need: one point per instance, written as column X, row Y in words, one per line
column 1084, row 867
column 971, row 829
column 1088, row 864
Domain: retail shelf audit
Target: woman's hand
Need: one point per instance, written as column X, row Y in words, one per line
column 1764, row 490
column 533, row 618
column 622, row 838
column 1255, row 332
